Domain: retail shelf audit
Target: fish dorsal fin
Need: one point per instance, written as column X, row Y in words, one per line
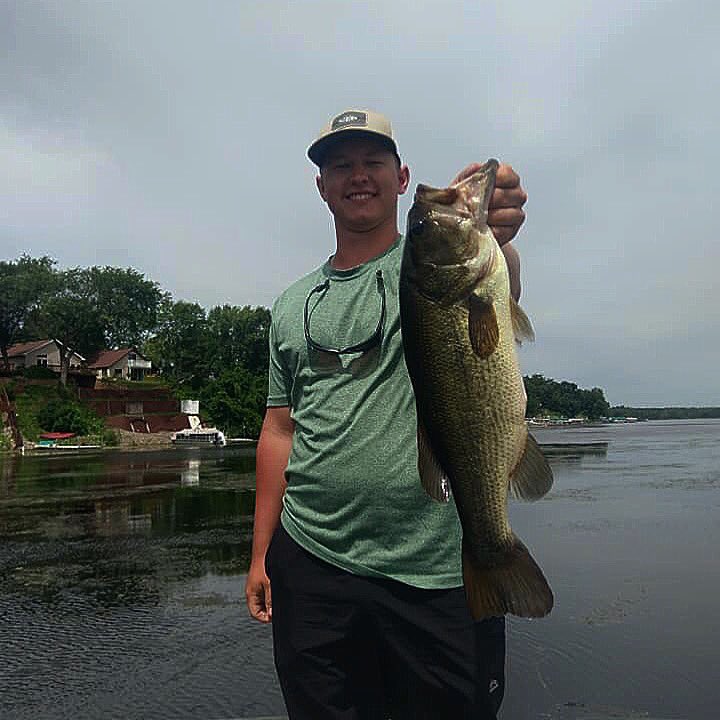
column 434, row 480
column 483, row 327
column 522, row 327
column 532, row 477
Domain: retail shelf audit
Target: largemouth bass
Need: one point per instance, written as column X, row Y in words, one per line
column 460, row 326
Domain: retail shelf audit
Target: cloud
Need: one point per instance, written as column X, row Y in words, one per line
column 171, row 137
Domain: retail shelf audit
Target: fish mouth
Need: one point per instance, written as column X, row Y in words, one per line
column 428, row 195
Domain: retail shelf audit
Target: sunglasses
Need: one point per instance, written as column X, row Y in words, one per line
column 371, row 342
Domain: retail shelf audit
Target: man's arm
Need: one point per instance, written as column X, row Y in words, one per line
column 273, row 451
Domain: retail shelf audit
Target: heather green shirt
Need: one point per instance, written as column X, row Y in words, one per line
column 354, row 497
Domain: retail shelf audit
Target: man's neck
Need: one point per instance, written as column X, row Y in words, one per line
column 356, row 248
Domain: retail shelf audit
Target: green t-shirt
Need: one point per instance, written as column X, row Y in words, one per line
column 354, row 498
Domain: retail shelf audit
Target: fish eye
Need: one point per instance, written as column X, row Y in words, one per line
column 418, row 228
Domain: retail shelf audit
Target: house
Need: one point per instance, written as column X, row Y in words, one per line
column 125, row 363
column 44, row 353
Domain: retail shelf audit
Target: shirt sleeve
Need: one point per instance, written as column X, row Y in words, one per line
column 279, row 378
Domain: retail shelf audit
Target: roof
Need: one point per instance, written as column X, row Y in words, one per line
column 21, row 349
column 27, row 347
column 109, row 357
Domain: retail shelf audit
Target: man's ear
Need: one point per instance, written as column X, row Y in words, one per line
column 404, row 179
column 321, row 186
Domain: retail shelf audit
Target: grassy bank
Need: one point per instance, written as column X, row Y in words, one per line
column 51, row 408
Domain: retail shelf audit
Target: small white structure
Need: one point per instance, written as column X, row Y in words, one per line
column 190, row 407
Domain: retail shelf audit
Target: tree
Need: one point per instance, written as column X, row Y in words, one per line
column 235, row 401
column 71, row 316
column 545, row 395
column 24, row 283
column 128, row 304
column 179, row 348
column 238, row 336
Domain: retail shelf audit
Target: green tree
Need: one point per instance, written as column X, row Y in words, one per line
column 71, row 316
column 64, row 415
column 128, row 304
column 235, row 401
column 238, row 336
column 180, row 347
column 23, row 283
column 546, row 395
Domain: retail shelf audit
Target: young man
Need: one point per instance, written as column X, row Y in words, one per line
column 368, row 610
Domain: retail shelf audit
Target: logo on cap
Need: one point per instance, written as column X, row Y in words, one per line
column 349, row 119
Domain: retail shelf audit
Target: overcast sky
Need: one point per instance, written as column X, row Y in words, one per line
column 170, row 136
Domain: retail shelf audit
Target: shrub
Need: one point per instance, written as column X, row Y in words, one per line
column 65, row 416
column 10, row 390
column 38, row 372
column 110, row 437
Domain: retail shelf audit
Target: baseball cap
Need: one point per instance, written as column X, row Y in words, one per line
column 352, row 121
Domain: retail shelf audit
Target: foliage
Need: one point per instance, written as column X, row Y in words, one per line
column 28, row 404
column 71, row 316
column 238, row 336
column 179, row 348
column 219, row 358
column 24, row 283
column 38, row 372
column 235, row 401
column 85, row 309
column 62, row 415
column 109, row 437
column 9, row 390
column 547, row 396
column 127, row 303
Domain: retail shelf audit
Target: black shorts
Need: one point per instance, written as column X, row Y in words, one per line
column 349, row 647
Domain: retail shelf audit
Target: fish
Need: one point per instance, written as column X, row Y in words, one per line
column 460, row 327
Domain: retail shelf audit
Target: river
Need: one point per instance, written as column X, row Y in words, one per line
column 122, row 573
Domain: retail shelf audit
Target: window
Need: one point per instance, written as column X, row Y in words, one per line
column 118, row 372
column 42, row 360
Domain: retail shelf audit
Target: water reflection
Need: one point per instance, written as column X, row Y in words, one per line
column 118, row 526
column 121, row 580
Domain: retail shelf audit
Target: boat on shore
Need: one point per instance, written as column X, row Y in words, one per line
column 199, row 437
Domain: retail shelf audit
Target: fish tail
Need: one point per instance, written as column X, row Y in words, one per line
column 515, row 585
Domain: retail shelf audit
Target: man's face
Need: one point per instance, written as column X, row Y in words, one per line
column 360, row 180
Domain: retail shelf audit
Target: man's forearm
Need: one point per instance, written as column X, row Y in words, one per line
column 272, row 456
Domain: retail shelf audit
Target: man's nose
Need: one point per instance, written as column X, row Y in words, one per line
column 359, row 173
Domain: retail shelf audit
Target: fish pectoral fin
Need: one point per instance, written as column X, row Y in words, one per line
column 522, row 327
column 532, row 477
column 433, row 477
column 483, row 327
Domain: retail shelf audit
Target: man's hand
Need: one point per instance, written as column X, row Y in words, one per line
column 257, row 593
column 505, row 214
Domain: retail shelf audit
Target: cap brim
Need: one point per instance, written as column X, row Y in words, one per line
column 319, row 149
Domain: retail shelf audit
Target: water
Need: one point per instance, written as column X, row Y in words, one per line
column 122, row 574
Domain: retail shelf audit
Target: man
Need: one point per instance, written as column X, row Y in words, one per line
column 368, row 610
